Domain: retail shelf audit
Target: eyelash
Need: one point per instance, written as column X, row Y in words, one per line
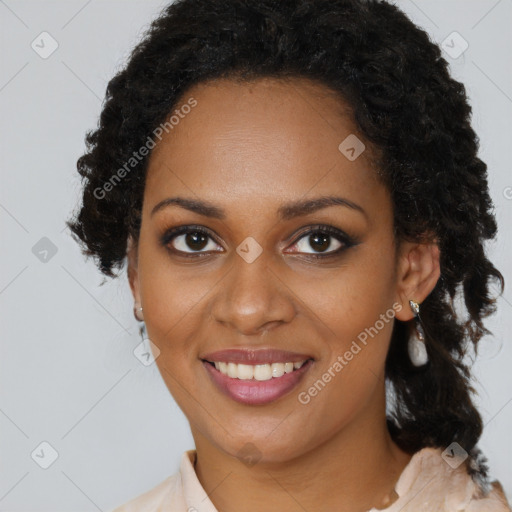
column 339, row 235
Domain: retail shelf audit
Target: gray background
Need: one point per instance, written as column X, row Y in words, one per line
column 68, row 375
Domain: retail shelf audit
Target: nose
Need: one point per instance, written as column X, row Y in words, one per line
column 252, row 298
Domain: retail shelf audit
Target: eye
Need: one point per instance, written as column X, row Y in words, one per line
column 197, row 241
column 189, row 240
column 324, row 241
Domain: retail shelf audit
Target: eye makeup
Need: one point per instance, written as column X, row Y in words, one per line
column 194, row 233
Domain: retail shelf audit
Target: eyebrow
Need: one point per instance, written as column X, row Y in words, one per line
column 287, row 211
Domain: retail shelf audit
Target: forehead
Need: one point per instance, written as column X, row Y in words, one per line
column 269, row 138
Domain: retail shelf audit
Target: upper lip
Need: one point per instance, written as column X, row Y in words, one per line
column 255, row 356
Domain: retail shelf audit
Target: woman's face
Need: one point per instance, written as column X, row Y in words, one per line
column 254, row 153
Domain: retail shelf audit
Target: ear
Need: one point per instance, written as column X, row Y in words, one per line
column 133, row 274
column 418, row 271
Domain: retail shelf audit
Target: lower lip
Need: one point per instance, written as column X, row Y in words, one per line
column 256, row 392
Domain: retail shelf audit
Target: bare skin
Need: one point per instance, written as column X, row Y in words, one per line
column 248, row 149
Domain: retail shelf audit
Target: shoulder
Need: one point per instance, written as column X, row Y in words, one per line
column 494, row 501
column 433, row 482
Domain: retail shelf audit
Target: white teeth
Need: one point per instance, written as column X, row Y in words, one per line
column 277, row 369
column 244, row 371
column 258, row 371
column 232, row 371
column 288, row 367
column 262, row 372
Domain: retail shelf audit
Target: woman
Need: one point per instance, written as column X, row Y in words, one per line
column 296, row 189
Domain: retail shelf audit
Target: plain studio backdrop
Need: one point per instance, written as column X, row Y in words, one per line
column 71, row 387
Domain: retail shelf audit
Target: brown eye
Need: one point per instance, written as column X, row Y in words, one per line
column 322, row 241
column 319, row 242
column 195, row 240
column 189, row 240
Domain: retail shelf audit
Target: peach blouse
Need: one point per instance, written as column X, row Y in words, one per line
column 427, row 484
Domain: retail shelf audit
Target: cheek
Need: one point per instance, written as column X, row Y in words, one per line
column 169, row 291
column 172, row 301
column 351, row 298
column 354, row 314
column 350, row 375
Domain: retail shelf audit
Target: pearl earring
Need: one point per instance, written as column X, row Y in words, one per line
column 137, row 311
column 416, row 345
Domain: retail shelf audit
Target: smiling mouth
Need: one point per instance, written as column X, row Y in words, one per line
column 258, row 372
column 256, row 384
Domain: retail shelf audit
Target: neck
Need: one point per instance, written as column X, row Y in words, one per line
column 354, row 470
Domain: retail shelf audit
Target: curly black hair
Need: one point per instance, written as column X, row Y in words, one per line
column 410, row 111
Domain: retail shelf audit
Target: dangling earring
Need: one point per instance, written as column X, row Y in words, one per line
column 137, row 311
column 416, row 346
column 142, row 332
column 146, row 351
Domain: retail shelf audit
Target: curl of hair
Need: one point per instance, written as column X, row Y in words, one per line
column 409, row 110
